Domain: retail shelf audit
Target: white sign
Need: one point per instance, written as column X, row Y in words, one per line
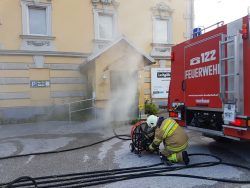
column 160, row 79
column 39, row 83
column 229, row 112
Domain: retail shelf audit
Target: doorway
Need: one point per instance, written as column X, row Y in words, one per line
column 124, row 95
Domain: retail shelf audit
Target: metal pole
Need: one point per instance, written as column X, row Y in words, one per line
column 93, row 104
column 69, row 113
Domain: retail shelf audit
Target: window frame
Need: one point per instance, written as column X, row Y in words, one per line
column 25, row 17
column 169, row 30
column 97, row 13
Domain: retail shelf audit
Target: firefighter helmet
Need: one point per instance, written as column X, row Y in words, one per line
column 152, row 120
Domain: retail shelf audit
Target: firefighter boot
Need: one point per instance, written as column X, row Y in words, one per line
column 165, row 160
column 182, row 157
column 185, row 157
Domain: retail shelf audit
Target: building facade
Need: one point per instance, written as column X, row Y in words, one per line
column 53, row 52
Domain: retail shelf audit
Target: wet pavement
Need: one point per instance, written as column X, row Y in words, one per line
column 50, row 136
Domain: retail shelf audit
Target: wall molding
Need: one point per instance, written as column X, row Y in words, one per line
column 64, row 80
column 68, row 66
column 14, row 95
column 62, row 94
column 37, row 37
column 14, row 81
column 27, row 66
column 105, row 3
column 162, row 10
column 14, row 66
column 43, row 53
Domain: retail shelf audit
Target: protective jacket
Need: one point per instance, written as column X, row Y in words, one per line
column 174, row 138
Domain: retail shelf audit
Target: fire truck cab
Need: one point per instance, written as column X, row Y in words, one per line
column 210, row 84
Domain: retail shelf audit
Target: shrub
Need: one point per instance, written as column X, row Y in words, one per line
column 151, row 109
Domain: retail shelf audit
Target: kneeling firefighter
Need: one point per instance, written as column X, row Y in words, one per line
column 174, row 138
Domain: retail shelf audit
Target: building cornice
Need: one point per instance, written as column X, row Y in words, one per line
column 43, row 53
column 161, row 58
column 162, row 10
column 105, row 3
column 114, row 42
column 37, row 37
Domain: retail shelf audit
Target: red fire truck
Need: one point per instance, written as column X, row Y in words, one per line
column 210, row 81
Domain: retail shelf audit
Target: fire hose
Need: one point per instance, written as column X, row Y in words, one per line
column 77, row 180
column 86, row 179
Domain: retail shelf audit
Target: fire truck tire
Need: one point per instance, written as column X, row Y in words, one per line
column 222, row 140
column 217, row 138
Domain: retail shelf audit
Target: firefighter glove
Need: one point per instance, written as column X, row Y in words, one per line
column 151, row 148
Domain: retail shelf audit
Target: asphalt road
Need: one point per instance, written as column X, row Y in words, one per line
column 49, row 136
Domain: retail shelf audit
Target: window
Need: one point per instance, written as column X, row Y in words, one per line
column 162, row 37
column 37, row 21
column 36, row 18
column 105, row 24
column 161, row 31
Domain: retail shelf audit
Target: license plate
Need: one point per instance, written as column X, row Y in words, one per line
column 229, row 112
column 179, row 115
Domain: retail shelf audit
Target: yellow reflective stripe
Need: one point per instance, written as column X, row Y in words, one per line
column 172, row 130
column 169, row 128
column 173, row 157
column 177, row 149
column 166, row 125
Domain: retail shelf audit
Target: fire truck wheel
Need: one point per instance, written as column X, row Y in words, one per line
column 222, row 140
column 217, row 138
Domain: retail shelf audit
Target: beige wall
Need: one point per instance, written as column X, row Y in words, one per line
column 16, row 72
column 131, row 21
column 39, row 96
column 73, row 25
column 120, row 57
column 11, row 26
column 73, row 39
column 69, row 22
column 133, row 12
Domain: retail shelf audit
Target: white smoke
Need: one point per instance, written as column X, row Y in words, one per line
column 122, row 105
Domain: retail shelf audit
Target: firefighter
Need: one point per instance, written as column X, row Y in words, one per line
column 174, row 138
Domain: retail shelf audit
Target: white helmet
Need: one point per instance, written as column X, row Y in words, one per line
column 152, row 121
